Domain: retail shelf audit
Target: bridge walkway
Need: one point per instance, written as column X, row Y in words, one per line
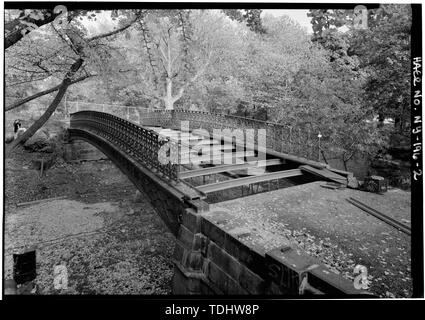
column 215, row 166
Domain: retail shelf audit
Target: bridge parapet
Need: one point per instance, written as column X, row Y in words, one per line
column 299, row 140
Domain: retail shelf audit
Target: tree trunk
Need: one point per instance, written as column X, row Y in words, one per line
column 14, row 29
column 168, row 99
column 52, row 107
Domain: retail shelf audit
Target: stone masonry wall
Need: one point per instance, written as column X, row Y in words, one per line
column 209, row 260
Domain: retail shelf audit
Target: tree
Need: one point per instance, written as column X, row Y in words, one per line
column 325, row 19
column 378, row 58
column 175, row 49
column 84, row 49
column 24, row 22
column 314, row 84
column 383, row 52
column 252, row 17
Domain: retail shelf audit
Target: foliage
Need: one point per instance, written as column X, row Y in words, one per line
column 81, row 49
column 383, row 52
column 251, row 16
column 334, row 82
column 377, row 59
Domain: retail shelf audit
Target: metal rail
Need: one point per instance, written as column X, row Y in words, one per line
column 381, row 216
column 208, row 188
column 300, row 140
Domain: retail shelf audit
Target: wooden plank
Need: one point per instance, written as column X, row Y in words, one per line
column 213, row 147
column 305, row 161
column 342, row 172
column 227, row 168
column 325, row 174
column 282, row 155
column 201, row 141
column 194, row 140
column 208, row 188
column 208, row 149
column 224, row 157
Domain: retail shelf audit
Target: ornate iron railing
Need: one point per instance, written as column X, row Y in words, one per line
column 144, row 145
column 299, row 140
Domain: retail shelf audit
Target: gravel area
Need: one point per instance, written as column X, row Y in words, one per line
column 321, row 223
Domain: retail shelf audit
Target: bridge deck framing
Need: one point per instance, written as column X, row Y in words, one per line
column 228, row 168
column 219, row 186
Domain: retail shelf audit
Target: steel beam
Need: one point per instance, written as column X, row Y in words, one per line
column 208, row 188
column 227, row 168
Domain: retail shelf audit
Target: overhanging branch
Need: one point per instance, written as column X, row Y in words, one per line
column 111, row 33
column 52, row 107
column 43, row 93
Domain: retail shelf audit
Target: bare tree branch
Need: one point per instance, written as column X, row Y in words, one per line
column 146, row 41
column 116, row 31
column 26, row 81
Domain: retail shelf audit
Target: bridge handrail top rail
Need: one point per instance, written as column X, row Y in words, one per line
column 119, row 119
column 266, row 123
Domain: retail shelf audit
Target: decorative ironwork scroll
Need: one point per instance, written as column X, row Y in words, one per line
column 154, row 152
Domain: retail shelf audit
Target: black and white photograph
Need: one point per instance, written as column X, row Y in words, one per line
column 212, row 149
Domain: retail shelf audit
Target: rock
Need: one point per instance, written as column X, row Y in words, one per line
column 37, row 142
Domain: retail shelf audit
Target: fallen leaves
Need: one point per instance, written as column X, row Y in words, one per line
column 120, row 261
